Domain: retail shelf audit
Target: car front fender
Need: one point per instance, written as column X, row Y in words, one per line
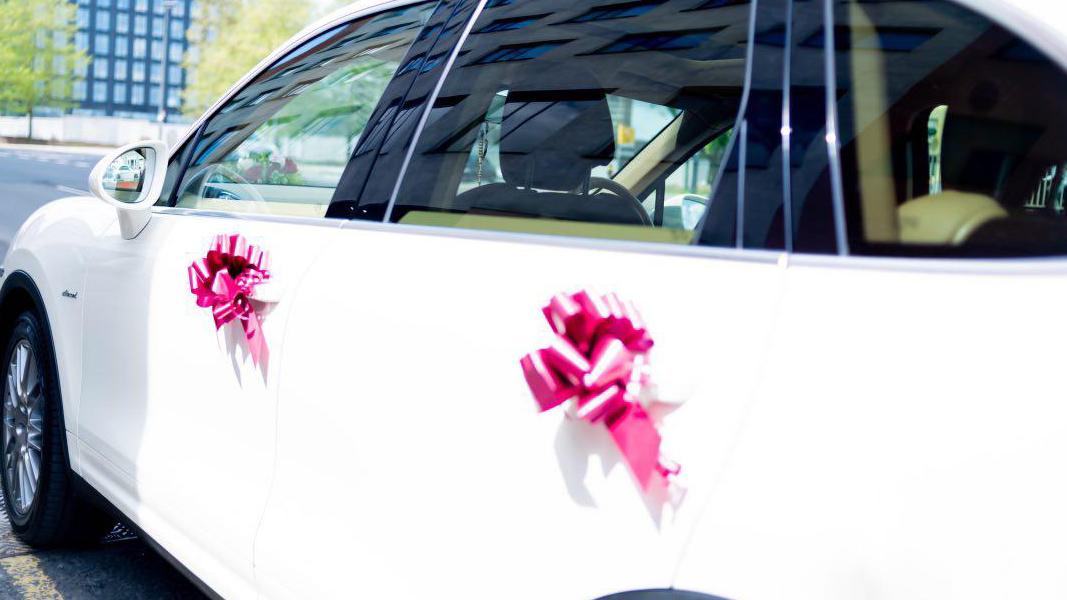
column 45, row 270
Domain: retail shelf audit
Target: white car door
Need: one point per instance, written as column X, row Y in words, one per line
column 913, row 411
column 178, row 420
column 412, row 462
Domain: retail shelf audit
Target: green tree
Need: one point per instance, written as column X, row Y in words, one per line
column 229, row 37
column 38, row 62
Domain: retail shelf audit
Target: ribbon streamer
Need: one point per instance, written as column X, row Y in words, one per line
column 598, row 361
column 225, row 280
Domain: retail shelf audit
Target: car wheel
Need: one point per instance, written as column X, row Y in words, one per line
column 35, row 474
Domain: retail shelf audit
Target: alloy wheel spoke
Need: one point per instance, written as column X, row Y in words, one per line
column 12, row 390
column 33, row 406
column 23, row 423
column 33, row 468
column 32, row 377
column 24, row 481
column 11, row 453
column 20, row 370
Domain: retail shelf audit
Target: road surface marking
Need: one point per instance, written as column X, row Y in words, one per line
column 71, row 190
column 27, row 577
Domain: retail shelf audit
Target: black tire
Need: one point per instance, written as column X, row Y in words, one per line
column 56, row 515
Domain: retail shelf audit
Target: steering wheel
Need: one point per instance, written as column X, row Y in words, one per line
column 620, row 190
column 235, row 177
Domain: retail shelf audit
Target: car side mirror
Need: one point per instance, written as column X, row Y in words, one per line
column 131, row 180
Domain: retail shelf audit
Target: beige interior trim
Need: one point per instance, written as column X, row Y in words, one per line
column 649, row 157
column 635, row 233
column 877, row 188
column 946, row 219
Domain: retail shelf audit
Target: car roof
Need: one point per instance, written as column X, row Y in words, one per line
column 1044, row 19
column 344, row 12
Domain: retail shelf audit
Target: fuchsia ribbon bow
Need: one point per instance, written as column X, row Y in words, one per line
column 599, row 359
column 225, row 280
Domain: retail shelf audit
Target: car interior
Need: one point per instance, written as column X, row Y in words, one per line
column 960, row 146
column 281, row 144
column 605, row 135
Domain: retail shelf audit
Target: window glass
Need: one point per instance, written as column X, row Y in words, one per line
column 371, row 176
column 953, row 134
column 281, row 144
column 601, row 121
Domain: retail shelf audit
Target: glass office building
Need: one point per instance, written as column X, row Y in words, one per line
column 124, row 39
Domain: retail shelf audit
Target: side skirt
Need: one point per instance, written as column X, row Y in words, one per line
column 89, row 494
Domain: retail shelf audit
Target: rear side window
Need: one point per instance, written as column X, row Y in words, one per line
column 953, row 133
column 601, row 120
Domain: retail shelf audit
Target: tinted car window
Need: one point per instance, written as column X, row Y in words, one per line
column 594, row 120
column 953, row 134
column 371, row 175
column 281, row 144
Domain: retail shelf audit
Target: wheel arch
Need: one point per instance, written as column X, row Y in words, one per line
column 19, row 294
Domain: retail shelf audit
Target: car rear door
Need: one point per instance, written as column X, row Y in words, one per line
column 913, row 400
column 178, row 415
column 412, row 461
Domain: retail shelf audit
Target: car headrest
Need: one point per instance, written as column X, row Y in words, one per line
column 551, row 140
column 947, row 218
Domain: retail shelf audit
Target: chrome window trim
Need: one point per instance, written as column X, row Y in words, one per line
column 1051, row 265
column 787, row 129
column 742, row 166
column 735, row 133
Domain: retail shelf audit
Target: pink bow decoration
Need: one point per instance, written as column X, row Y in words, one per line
column 599, row 361
column 225, row 281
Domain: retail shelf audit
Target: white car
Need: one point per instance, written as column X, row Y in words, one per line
column 858, row 358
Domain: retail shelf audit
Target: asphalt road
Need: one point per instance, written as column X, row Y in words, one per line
column 32, row 178
column 120, row 567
